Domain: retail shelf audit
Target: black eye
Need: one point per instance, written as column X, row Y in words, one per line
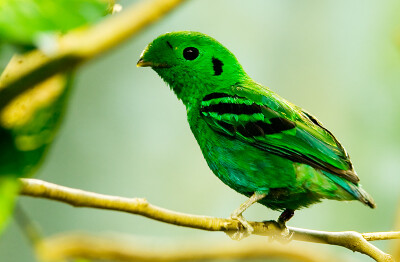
column 190, row 53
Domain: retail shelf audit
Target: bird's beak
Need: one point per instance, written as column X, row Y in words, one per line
column 144, row 63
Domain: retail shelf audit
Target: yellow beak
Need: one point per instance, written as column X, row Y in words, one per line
column 142, row 63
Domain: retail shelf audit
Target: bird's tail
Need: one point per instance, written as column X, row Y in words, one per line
column 355, row 190
column 364, row 197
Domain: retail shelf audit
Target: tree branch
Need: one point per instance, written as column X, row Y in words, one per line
column 121, row 248
column 79, row 198
column 78, row 46
column 395, row 245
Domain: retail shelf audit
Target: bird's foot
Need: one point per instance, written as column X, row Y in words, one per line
column 244, row 230
column 286, row 235
column 283, row 235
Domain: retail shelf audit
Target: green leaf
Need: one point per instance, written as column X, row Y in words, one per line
column 8, row 191
column 28, row 126
column 24, row 22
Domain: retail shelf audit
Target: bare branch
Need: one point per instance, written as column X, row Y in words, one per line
column 120, row 248
column 79, row 198
column 381, row 235
column 78, row 46
column 395, row 245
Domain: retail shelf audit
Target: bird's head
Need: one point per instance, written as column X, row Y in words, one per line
column 193, row 64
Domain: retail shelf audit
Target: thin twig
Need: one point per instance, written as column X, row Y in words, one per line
column 79, row 198
column 27, row 225
column 79, row 46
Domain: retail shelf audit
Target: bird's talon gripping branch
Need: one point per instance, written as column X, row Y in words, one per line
column 285, row 236
column 237, row 215
column 244, row 230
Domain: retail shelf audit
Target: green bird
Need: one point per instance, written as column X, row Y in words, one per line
column 256, row 142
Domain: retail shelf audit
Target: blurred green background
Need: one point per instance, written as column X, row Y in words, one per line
column 126, row 134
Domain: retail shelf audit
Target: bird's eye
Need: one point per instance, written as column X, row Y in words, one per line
column 190, row 53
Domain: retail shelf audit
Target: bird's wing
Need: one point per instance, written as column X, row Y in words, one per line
column 259, row 117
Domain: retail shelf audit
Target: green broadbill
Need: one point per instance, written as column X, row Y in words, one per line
column 256, row 142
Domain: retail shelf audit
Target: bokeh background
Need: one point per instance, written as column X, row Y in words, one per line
column 126, row 134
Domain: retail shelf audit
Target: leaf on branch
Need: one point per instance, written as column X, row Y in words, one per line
column 28, row 125
column 28, row 22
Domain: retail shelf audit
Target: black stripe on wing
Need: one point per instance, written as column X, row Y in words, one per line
column 215, row 96
column 240, row 106
column 259, row 128
column 232, row 108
